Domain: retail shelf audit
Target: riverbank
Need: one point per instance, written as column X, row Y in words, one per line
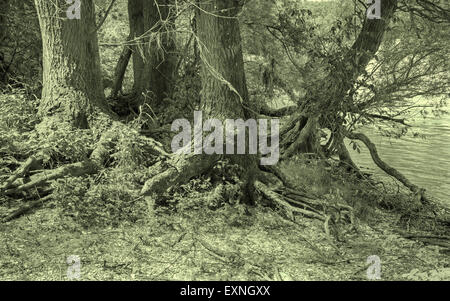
column 230, row 243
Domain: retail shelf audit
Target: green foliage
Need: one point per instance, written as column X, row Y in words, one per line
column 21, row 50
column 17, row 118
column 131, row 150
column 93, row 202
column 63, row 143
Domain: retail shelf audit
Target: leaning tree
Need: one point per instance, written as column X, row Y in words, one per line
column 350, row 82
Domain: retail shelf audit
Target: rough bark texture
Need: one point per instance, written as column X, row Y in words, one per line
column 151, row 27
column 121, row 67
column 4, row 8
column 223, row 93
column 224, row 90
column 371, row 35
column 71, row 63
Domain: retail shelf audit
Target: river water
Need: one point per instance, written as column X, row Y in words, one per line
column 424, row 161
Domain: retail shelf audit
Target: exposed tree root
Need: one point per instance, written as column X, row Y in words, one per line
column 175, row 171
column 74, row 170
column 20, row 172
column 442, row 241
column 286, row 209
column 292, row 203
column 344, row 156
column 21, row 181
column 24, row 209
column 285, row 111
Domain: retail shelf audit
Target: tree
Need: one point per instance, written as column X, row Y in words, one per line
column 224, row 90
column 224, row 96
column 4, row 8
column 153, row 38
column 356, row 75
column 72, row 95
column 72, row 83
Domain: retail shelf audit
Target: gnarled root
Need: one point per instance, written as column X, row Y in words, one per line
column 291, row 203
column 24, row 209
column 20, row 182
column 40, row 179
column 175, row 171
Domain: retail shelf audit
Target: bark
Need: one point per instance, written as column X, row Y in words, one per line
column 339, row 84
column 306, row 141
column 224, row 92
column 72, row 80
column 371, row 36
column 4, row 8
column 121, row 67
column 154, row 62
column 281, row 112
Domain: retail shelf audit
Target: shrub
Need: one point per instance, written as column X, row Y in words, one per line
column 91, row 203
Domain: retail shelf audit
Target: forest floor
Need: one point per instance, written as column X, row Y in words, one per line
column 231, row 243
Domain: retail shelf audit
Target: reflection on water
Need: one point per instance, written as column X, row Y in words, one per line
column 425, row 162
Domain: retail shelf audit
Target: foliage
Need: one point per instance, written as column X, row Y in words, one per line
column 99, row 202
column 17, row 118
column 21, row 50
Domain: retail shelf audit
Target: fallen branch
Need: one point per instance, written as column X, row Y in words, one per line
column 441, row 241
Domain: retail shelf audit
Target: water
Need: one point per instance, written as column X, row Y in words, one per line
column 425, row 162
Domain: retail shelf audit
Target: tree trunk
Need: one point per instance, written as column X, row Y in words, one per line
column 224, row 90
column 72, row 83
column 152, row 28
column 121, row 67
column 4, row 8
column 223, row 93
column 339, row 84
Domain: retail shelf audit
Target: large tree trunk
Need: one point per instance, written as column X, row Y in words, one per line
column 224, row 89
column 223, row 93
column 72, row 85
column 152, row 28
column 4, row 8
